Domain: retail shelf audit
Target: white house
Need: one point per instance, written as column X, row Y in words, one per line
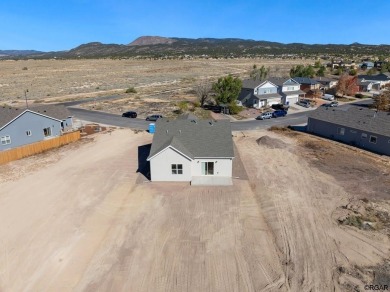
column 288, row 88
column 196, row 151
column 258, row 93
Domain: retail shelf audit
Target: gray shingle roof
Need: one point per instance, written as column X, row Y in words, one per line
column 195, row 139
column 251, row 83
column 379, row 77
column 293, row 92
column 187, row 116
column 58, row 112
column 305, row 80
column 355, row 117
column 267, row 96
column 277, row 80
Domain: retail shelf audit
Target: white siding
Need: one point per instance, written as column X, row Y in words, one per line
column 160, row 166
column 222, row 167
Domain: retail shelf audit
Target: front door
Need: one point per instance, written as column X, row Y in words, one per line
column 207, row 168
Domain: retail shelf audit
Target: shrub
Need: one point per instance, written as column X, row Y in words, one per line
column 183, row 105
column 24, row 68
column 131, row 90
column 234, row 108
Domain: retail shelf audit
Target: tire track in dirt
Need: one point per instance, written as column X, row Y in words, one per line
column 296, row 210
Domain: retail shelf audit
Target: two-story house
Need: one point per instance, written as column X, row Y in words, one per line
column 258, row 93
column 307, row 83
column 288, row 88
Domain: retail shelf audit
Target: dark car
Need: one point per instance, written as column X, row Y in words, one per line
column 129, row 114
column 332, row 104
column 153, row 117
column 279, row 113
column 280, row 106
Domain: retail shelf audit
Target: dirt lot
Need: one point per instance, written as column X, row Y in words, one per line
column 160, row 84
column 81, row 219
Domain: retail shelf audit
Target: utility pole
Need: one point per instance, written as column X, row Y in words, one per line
column 25, row 96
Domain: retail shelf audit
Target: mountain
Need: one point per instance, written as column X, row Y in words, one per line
column 19, row 52
column 151, row 40
column 161, row 47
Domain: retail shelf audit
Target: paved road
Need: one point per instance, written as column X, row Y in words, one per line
column 117, row 120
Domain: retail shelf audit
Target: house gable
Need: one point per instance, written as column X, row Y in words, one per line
column 23, row 113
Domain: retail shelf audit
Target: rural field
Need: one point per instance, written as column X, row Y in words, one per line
column 159, row 84
column 80, row 218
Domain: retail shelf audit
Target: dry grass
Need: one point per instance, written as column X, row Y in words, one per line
column 156, row 82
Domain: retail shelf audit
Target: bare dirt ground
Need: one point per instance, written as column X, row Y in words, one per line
column 81, row 219
column 160, row 84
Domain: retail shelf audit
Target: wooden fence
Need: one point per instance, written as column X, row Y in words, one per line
column 38, row 147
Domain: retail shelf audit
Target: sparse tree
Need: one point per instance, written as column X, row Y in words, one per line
column 202, row 92
column 302, row 71
column 227, row 89
column 382, row 101
column 347, row 85
column 259, row 73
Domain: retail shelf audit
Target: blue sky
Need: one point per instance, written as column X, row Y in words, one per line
column 52, row 25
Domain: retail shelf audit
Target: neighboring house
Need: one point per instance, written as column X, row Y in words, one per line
column 341, row 64
column 190, row 150
column 288, row 88
column 20, row 127
column 326, row 83
column 381, row 79
column 367, row 86
column 307, row 83
column 356, row 126
column 367, row 65
column 258, row 93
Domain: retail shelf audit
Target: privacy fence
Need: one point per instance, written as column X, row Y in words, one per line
column 39, row 147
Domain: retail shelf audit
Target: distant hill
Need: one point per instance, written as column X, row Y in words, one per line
column 151, row 40
column 19, row 52
column 157, row 47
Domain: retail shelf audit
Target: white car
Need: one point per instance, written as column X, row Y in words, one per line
column 328, row 97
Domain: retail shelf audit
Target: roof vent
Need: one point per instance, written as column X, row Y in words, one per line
column 179, row 131
column 193, row 121
column 167, row 131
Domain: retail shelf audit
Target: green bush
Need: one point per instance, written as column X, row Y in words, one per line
column 131, row 90
column 234, row 108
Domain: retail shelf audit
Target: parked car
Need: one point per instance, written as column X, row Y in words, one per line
column 264, row 116
column 328, row 97
column 280, row 106
column 153, row 117
column 331, row 104
column 279, row 113
column 304, row 103
column 129, row 114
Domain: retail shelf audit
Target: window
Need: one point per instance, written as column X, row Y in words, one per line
column 177, row 168
column 373, row 139
column 340, row 131
column 364, row 135
column 28, row 133
column 5, row 140
column 47, row 132
column 267, row 90
column 353, row 131
column 207, row 168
